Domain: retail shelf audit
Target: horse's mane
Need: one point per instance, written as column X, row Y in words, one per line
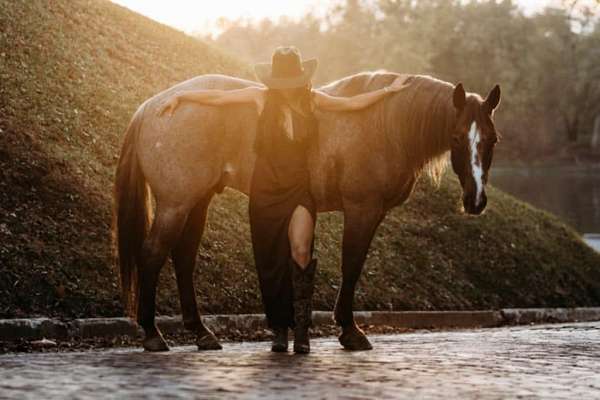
column 418, row 121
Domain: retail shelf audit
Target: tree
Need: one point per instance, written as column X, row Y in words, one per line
column 547, row 63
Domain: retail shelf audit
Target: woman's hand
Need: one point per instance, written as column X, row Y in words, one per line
column 397, row 85
column 169, row 106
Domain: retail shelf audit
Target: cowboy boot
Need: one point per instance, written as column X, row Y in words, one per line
column 280, row 340
column 303, row 282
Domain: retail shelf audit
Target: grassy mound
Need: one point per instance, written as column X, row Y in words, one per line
column 73, row 72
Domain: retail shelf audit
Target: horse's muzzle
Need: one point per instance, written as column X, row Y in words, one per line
column 470, row 205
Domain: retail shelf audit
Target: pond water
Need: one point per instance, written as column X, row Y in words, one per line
column 571, row 193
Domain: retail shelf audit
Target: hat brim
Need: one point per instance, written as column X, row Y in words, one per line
column 263, row 73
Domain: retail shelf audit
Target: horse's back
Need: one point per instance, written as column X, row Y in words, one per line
column 369, row 81
column 208, row 81
column 359, row 83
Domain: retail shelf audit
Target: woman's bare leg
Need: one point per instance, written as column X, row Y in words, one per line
column 301, row 232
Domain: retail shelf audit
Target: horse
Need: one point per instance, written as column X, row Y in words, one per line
column 362, row 163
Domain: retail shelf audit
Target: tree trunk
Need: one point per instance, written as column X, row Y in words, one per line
column 572, row 127
column 595, row 143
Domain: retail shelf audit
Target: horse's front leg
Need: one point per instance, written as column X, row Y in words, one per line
column 360, row 222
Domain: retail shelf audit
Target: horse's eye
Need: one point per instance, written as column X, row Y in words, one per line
column 456, row 140
column 493, row 139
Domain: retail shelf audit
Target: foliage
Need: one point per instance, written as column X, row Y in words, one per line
column 72, row 74
column 547, row 63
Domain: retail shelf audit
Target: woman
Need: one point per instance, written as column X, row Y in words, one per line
column 282, row 211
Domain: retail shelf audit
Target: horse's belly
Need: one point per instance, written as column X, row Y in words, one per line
column 324, row 177
column 324, row 189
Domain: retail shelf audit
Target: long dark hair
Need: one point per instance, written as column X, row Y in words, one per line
column 271, row 119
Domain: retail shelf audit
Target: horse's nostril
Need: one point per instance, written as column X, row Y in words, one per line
column 483, row 200
column 478, row 208
column 471, row 205
column 468, row 199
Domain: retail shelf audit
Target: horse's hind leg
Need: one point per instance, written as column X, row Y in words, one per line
column 184, row 259
column 165, row 230
column 360, row 223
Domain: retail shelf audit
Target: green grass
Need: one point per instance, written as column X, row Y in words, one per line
column 72, row 74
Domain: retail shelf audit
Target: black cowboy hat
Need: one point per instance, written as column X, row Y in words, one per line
column 286, row 70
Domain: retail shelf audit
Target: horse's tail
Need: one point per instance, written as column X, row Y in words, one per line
column 131, row 215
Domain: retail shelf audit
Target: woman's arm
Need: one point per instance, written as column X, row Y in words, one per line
column 214, row 97
column 327, row 102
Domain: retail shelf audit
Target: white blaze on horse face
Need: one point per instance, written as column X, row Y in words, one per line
column 474, row 139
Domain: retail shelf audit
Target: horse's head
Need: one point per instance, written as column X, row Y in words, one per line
column 473, row 142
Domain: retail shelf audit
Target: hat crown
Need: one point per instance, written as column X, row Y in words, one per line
column 286, row 70
column 286, row 63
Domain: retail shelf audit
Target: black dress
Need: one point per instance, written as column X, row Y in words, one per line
column 280, row 183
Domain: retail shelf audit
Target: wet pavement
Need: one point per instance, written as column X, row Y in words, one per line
column 593, row 240
column 549, row 361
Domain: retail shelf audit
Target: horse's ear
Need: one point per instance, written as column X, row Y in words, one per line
column 460, row 97
column 492, row 100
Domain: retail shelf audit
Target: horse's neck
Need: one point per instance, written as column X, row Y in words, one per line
column 424, row 143
column 442, row 137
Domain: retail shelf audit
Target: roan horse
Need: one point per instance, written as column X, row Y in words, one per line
column 361, row 163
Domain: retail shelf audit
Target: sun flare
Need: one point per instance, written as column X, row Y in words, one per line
column 197, row 16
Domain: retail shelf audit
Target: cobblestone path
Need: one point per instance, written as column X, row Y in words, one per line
column 550, row 361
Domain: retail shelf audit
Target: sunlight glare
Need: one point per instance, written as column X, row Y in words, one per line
column 200, row 16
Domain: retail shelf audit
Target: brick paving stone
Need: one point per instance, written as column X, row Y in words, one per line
column 549, row 361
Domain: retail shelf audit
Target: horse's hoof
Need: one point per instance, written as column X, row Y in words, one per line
column 354, row 339
column 155, row 343
column 301, row 348
column 279, row 348
column 208, row 342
